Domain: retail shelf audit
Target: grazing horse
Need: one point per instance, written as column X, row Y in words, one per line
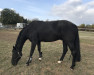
column 38, row 31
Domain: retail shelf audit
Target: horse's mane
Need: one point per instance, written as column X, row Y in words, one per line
column 20, row 39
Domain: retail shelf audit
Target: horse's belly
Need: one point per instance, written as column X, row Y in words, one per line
column 49, row 38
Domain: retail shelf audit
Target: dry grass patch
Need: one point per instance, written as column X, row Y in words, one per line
column 51, row 54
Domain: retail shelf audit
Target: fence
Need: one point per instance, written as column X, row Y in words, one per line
column 86, row 29
column 15, row 27
column 20, row 26
column 8, row 26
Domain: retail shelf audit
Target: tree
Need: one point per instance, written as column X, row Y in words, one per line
column 9, row 16
column 88, row 26
column 29, row 21
column 25, row 21
column 0, row 16
column 0, row 19
column 19, row 19
column 92, row 25
column 82, row 26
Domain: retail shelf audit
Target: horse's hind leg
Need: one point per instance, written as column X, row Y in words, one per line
column 73, row 52
column 39, row 50
column 65, row 49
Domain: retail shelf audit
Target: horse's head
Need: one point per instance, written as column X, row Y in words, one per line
column 16, row 55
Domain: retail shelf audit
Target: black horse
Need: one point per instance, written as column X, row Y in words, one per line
column 38, row 31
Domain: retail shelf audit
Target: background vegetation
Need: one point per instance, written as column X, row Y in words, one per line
column 86, row 26
column 9, row 16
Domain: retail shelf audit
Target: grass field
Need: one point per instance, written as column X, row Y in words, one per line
column 51, row 54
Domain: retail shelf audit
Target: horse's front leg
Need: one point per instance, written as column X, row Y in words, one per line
column 39, row 50
column 31, row 53
column 65, row 49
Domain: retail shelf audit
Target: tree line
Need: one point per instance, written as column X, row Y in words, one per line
column 86, row 26
column 9, row 16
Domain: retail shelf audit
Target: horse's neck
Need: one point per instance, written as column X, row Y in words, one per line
column 20, row 41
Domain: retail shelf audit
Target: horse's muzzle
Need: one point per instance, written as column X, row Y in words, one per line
column 15, row 62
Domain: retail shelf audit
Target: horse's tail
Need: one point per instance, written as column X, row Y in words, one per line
column 77, row 48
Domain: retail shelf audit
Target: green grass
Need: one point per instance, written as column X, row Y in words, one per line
column 51, row 54
column 87, row 37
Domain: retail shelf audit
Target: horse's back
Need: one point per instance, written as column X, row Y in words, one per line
column 53, row 30
column 64, row 24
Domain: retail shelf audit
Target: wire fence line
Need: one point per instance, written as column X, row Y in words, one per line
column 86, row 29
column 15, row 27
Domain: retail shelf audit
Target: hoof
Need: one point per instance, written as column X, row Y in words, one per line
column 40, row 59
column 59, row 62
column 27, row 64
column 71, row 68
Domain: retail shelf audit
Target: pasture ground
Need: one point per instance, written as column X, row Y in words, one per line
column 51, row 53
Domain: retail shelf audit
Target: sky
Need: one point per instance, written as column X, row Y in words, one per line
column 76, row 11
